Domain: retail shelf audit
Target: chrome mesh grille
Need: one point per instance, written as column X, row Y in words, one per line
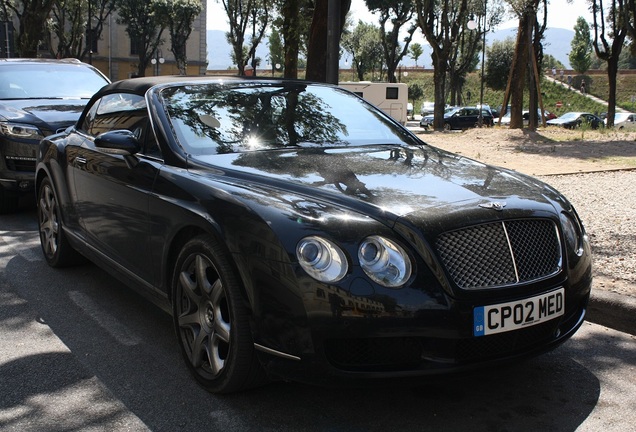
column 502, row 253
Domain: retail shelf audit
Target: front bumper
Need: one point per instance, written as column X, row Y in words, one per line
column 349, row 344
column 17, row 165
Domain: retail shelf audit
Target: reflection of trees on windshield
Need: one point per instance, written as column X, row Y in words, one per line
column 243, row 118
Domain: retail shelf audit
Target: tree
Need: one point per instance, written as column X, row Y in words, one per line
column 291, row 30
column 317, row 44
column 525, row 63
column 276, row 53
column 441, row 22
column 242, row 13
column 416, row 92
column 179, row 16
column 498, row 63
column 399, row 13
column 144, row 27
column 580, row 56
column 32, row 16
column 551, row 62
column 363, row 43
column 415, row 51
column 69, row 26
column 610, row 31
column 627, row 58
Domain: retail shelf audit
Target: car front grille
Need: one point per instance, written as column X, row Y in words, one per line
column 502, row 253
column 20, row 163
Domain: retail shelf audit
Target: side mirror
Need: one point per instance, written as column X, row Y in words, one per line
column 119, row 142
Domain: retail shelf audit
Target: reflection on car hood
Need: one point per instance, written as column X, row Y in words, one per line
column 49, row 112
column 384, row 179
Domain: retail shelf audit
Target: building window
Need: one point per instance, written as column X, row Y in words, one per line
column 91, row 39
column 135, row 46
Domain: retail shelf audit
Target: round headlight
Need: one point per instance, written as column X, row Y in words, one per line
column 384, row 261
column 322, row 259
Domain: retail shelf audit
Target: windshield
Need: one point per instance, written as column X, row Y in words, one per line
column 229, row 118
column 570, row 116
column 49, row 81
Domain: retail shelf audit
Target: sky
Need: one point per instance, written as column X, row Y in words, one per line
column 561, row 14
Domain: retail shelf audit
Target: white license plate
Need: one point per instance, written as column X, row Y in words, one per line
column 514, row 315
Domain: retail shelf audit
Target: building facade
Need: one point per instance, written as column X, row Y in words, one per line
column 115, row 55
column 116, row 58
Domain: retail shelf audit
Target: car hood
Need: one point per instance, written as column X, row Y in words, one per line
column 387, row 181
column 48, row 114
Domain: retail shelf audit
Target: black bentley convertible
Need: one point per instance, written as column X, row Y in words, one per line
column 293, row 230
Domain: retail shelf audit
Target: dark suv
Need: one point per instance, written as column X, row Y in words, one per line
column 38, row 97
column 466, row 117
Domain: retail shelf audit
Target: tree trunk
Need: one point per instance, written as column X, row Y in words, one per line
column 291, row 37
column 612, row 71
column 439, row 79
column 518, row 69
column 317, row 45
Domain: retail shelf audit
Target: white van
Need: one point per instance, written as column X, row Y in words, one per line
column 392, row 98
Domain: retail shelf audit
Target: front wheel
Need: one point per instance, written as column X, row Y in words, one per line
column 211, row 319
column 57, row 251
column 447, row 126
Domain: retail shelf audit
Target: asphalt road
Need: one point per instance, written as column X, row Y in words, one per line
column 80, row 352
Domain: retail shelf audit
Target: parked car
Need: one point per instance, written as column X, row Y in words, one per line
column 505, row 119
column 38, row 98
column 427, row 121
column 572, row 120
column 427, row 108
column 465, row 118
column 624, row 121
column 294, row 230
column 547, row 114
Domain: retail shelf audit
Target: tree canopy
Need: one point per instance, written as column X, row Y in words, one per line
column 581, row 54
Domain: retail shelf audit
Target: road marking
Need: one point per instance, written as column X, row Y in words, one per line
column 120, row 332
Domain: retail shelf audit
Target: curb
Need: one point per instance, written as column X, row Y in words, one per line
column 612, row 310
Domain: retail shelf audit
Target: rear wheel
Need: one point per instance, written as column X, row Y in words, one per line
column 57, row 251
column 211, row 319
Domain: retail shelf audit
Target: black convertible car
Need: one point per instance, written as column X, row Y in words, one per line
column 293, row 230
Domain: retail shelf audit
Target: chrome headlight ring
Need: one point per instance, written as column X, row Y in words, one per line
column 322, row 259
column 384, row 261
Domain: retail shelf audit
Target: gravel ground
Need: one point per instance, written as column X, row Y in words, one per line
column 606, row 203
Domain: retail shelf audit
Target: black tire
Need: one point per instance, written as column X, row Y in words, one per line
column 8, row 201
column 56, row 248
column 447, row 126
column 211, row 319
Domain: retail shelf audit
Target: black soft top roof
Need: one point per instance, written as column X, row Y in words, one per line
column 141, row 85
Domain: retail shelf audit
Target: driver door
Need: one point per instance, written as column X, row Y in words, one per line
column 112, row 197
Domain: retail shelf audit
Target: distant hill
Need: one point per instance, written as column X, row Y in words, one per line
column 556, row 43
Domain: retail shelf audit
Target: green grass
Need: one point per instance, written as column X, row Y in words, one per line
column 597, row 85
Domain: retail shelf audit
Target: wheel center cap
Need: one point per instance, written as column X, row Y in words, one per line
column 209, row 315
